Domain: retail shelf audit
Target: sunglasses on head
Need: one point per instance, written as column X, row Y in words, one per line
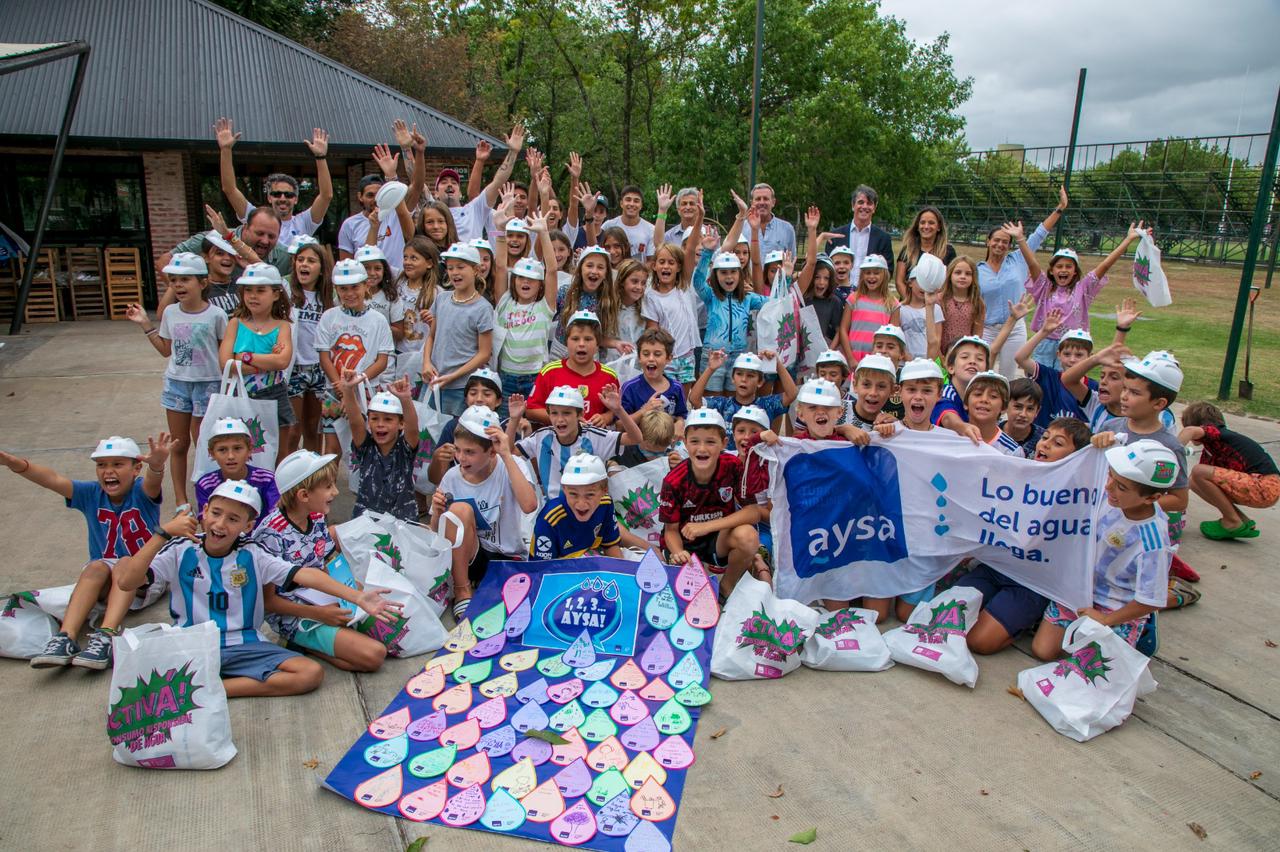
column 282, row 193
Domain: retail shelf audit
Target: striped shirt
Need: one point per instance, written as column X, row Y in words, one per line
column 1133, row 560
column 1073, row 302
column 549, row 456
column 867, row 314
column 526, row 328
column 1006, row 445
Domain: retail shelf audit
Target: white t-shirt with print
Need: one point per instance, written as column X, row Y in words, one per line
column 195, row 338
column 640, row 235
column 473, row 219
column 355, row 230
column 494, row 494
column 353, row 341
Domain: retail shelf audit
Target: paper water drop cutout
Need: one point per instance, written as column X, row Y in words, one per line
column 429, row 764
column 387, row 753
column 465, row 734
column 656, row 690
column 673, row 718
column 641, row 736
column 461, row 637
column 581, row 652
column 574, row 779
column 380, row 790
column 647, row 837
column 658, row 656
column 570, row 750
column 498, row 742
column 428, row 727
column 599, row 695
column 652, row 802
column 515, row 590
column 446, row 662
column 535, row 691
column 685, row 672
column 391, row 725
column 691, row 578
column 471, row 770
column 422, row 805
column 520, row 778
column 598, row 727
column 455, row 699
column 693, row 695
column 685, row 637
column 502, row 812
column 502, row 686
column 575, row 826
column 488, row 647
column 518, row 661
column 628, row 676
column 662, row 611
column 519, row 620
column 425, row 683
column 599, row 670
column 464, row 807
column 615, row 818
column 606, row 787
column 609, row 754
column 473, row 672
column 704, row 610
column 554, row 666
column 642, row 768
column 651, row 574
column 490, row 622
column 628, row 709
column 568, row 716
column 530, row 717
column 490, row 714
column 544, row 802
column 674, row 753
column 563, row 693
column 535, row 751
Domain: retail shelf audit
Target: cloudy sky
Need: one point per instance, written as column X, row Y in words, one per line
column 1185, row 67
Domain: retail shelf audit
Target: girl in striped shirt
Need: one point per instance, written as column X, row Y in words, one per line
column 867, row 309
column 526, row 311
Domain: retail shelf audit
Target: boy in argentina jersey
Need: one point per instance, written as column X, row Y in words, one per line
column 214, row 577
column 581, row 519
column 551, row 447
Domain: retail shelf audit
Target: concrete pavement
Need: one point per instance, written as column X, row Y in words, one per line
column 900, row 760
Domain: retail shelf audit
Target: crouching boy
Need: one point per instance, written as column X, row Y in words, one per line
column 581, row 520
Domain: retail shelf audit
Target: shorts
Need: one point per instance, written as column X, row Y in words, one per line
column 683, row 369
column 188, row 397
column 479, row 565
column 914, row 598
column 453, row 401
column 1255, row 490
column 705, row 549
column 1016, row 607
column 258, row 660
column 315, row 636
column 1129, row 631
column 306, row 378
column 722, row 378
column 279, row 394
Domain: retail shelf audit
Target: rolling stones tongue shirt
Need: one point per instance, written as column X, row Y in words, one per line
column 354, row 340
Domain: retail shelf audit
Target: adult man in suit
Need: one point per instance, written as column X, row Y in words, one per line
column 862, row 236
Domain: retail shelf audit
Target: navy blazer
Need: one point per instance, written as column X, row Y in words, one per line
column 879, row 243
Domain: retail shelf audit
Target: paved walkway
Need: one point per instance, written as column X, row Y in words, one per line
column 900, row 760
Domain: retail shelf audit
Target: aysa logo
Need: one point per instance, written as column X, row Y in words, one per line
column 861, row 521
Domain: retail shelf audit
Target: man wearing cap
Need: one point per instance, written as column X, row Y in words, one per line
column 281, row 189
column 860, row 235
column 260, row 232
column 775, row 234
column 475, row 217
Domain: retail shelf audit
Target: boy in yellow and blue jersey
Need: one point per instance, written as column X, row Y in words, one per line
column 580, row 520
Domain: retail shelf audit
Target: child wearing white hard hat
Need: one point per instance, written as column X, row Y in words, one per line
column 1058, row 399
column 383, row 448
column 748, row 377
column 121, row 509
column 578, row 369
column 919, row 385
column 526, row 309
column 868, row 309
column 1131, row 571
column 461, row 338
column 731, row 311
column 231, row 445
column 875, row 380
column 483, row 388
column 580, row 521
column 259, row 336
column 480, row 496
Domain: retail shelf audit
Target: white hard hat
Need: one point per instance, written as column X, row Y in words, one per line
column 367, row 254
column 748, row 361
column 754, row 413
column 969, row 338
column 843, row 251
column 1148, row 462
column 891, row 330
column 920, row 368
column 590, row 250
column 874, row 261
column 518, row 226
column 241, row 492
column 1070, row 254
column 477, row 419
column 481, row 243
column 567, row 396
column 484, row 374
column 464, row 252
column 877, row 362
column 583, row 469
column 390, row 195
column 1159, row 367
column 349, row 272
column 224, row 426
column 987, row 376
column 820, row 392
column 116, row 447
column 1078, row 335
column 583, row 316
column 217, row 240
column 726, row 260
column 297, row 466
column 705, row 417
column 831, row 356
column 307, row 240
column 261, row 274
column 528, row 267
column 186, row 263
column 929, row 272
column 775, row 256
column 386, row 403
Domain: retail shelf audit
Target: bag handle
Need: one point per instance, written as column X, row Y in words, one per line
column 456, row 541
column 1082, row 631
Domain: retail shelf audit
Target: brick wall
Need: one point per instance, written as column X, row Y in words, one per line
column 166, row 176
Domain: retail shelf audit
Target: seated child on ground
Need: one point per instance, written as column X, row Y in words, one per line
column 297, row 531
column 549, row 448
column 121, row 510
column 231, row 445
column 1233, row 471
column 383, row 450
column 218, row 577
column 1020, row 422
column 580, row 521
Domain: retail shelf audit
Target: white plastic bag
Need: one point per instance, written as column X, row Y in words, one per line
column 1093, row 688
column 760, row 635
column 364, row 535
column 846, row 641
column 812, row 341
column 167, row 706
column 25, row 628
column 416, row 631
column 934, row 637
column 1148, row 275
column 431, row 422
column 778, row 326
column 635, row 493
column 260, row 415
column 427, row 561
column 625, row 367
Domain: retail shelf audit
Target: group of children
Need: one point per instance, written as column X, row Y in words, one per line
column 469, row 330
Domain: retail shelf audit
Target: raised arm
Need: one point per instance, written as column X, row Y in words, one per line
column 319, row 148
column 812, row 218
column 45, row 477
column 1052, row 321
column 402, row 391
column 351, row 406
column 130, row 572
column 932, row 328
column 1135, row 231
column 138, row 314
column 526, row 496
column 225, row 133
column 1017, row 233
column 1051, row 220
column 550, row 280
column 475, row 180
column 734, row 233
column 515, row 142
column 787, row 385
column 417, row 180
column 502, row 214
column 660, row 221
column 715, row 360
column 533, row 157
column 1015, row 308
column 691, row 245
column 575, row 176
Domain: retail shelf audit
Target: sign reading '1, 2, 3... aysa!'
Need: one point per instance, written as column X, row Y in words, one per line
column 562, row 709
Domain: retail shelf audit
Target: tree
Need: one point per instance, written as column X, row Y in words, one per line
column 301, row 20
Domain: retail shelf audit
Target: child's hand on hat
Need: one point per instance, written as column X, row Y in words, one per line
column 374, row 602
column 516, row 406
column 181, row 525
column 334, row 615
column 136, row 313
column 1127, row 313
column 934, row 298
column 1103, row 440
column 158, row 448
column 499, row 439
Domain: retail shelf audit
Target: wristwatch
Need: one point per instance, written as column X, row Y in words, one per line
column 164, row 534
column 246, row 357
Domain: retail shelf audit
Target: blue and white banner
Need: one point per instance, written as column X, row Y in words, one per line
column 895, row 516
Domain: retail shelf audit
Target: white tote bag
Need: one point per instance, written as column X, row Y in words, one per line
column 167, row 707
column 431, row 423
column 625, row 367
column 635, row 492
column 25, row 628
column 778, row 326
column 416, row 631
column 760, row 635
column 812, row 341
column 363, row 536
column 1148, row 275
column 933, row 638
column 846, row 641
column 427, row 561
column 1092, row 689
column 260, row 415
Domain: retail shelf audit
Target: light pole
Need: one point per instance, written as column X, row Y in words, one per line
column 755, row 93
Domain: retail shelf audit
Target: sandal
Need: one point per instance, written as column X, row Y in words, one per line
column 1184, row 594
column 1217, row 532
